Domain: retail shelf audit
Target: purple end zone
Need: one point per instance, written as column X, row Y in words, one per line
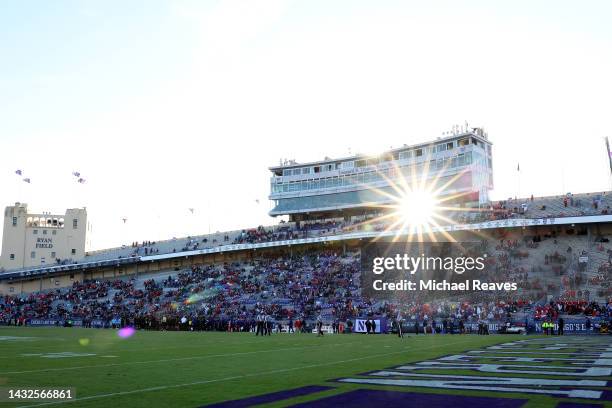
column 577, row 405
column 398, row 399
column 272, row 397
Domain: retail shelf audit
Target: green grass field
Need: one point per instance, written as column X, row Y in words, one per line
column 185, row 369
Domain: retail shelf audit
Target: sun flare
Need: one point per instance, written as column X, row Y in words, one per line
column 417, row 208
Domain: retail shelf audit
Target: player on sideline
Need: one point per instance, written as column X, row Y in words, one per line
column 319, row 326
column 267, row 325
column 290, row 326
column 398, row 323
column 260, row 323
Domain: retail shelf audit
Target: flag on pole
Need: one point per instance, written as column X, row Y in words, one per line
column 76, row 174
column 81, row 181
column 19, row 172
column 609, row 154
column 27, row 180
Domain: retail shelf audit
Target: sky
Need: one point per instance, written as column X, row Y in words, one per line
column 167, row 106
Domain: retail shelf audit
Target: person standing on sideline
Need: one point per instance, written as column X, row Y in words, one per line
column 268, row 322
column 398, row 323
column 290, row 326
column 259, row 325
column 587, row 324
column 319, row 326
column 561, row 326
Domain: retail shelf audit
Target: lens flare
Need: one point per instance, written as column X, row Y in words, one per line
column 417, row 208
column 126, row 332
column 196, row 297
column 417, row 202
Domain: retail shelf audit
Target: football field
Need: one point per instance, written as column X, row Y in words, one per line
column 193, row 369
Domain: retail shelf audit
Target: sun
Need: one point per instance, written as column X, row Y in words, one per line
column 416, row 203
column 417, row 208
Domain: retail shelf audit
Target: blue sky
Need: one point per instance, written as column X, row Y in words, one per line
column 165, row 106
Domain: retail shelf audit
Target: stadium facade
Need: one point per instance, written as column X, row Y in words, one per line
column 341, row 190
column 31, row 239
column 458, row 164
column 580, row 231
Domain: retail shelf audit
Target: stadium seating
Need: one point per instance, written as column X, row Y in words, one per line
column 542, row 207
column 556, row 274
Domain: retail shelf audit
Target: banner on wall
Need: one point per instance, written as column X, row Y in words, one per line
column 361, row 327
column 571, row 326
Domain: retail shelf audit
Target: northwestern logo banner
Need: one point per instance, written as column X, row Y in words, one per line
column 380, row 325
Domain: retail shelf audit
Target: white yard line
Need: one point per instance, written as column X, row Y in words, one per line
column 165, row 387
column 172, row 359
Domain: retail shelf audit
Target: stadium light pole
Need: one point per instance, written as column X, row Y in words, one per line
column 518, row 173
column 609, row 159
column 208, row 215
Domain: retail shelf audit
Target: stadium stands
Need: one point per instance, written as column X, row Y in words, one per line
column 561, row 274
column 543, row 207
column 570, row 205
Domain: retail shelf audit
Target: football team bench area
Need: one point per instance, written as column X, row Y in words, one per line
column 194, row 369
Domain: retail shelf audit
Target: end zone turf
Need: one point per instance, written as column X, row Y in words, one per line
column 184, row 369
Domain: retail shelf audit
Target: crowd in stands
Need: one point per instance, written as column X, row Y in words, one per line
column 544, row 207
column 324, row 284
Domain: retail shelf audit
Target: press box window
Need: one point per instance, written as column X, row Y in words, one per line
column 405, row 155
column 33, row 254
column 14, row 221
column 12, row 257
column 73, row 251
column 75, row 223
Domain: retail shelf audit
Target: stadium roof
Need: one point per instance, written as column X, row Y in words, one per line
column 394, row 150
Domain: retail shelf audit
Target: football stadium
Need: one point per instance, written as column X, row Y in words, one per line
column 295, row 314
column 156, row 253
